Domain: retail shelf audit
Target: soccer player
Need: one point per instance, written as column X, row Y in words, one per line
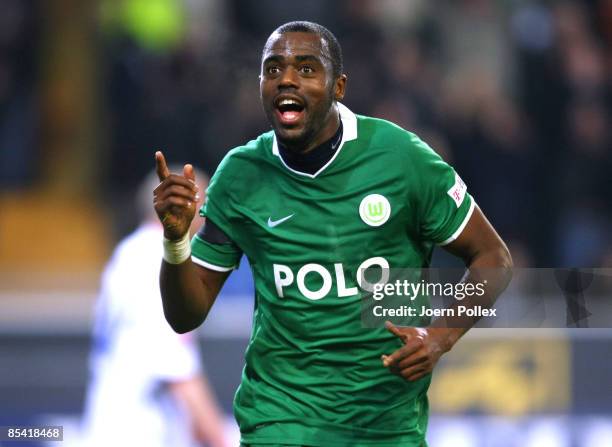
column 321, row 196
column 147, row 386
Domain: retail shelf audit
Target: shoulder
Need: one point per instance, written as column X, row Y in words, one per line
column 247, row 155
column 381, row 129
column 378, row 133
column 142, row 244
column 241, row 166
column 140, row 238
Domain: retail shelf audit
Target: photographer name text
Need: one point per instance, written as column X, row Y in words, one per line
column 459, row 311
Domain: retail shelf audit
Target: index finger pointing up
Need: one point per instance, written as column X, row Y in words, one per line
column 160, row 166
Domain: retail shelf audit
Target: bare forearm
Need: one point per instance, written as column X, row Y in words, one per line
column 188, row 290
column 186, row 299
column 493, row 269
column 489, row 266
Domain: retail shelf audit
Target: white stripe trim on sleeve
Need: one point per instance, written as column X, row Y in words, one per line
column 456, row 234
column 216, row 268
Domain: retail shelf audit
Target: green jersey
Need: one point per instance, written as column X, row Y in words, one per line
column 313, row 374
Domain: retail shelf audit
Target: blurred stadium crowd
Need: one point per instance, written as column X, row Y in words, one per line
column 515, row 94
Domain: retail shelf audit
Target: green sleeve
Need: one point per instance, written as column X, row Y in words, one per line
column 443, row 203
column 218, row 208
column 218, row 257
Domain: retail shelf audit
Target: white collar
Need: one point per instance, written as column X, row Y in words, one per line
column 349, row 132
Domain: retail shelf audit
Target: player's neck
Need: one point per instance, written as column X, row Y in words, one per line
column 313, row 160
column 328, row 131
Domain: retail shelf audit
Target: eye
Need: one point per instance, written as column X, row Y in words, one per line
column 306, row 69
column 272, row 70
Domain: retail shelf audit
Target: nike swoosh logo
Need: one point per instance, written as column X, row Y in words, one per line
column 273, row 223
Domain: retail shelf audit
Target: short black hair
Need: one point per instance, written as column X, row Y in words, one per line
column 302, row 26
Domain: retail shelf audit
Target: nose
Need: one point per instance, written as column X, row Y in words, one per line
column 289, row 78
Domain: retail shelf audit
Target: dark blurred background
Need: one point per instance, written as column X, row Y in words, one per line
column 515, row 94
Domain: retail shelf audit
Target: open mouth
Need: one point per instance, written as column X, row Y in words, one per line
column 289, row 110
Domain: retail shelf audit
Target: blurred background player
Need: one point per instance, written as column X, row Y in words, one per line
column 147, row 387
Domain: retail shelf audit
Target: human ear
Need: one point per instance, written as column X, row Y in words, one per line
column 340, row 87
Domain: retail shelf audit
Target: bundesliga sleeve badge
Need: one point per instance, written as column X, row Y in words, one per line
column 457, row 191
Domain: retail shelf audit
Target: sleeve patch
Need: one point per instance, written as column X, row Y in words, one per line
column 457, row 191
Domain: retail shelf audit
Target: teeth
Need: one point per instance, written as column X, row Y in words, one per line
column 286, row 102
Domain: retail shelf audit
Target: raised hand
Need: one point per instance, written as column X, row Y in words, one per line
column 175, row 198
column 421, row 351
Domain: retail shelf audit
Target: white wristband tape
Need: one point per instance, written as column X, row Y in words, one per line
column 177, row 252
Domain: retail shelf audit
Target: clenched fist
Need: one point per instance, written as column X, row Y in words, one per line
column 175, row 198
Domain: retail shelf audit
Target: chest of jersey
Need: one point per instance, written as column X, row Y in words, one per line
column 315, row 233
column 324, row 221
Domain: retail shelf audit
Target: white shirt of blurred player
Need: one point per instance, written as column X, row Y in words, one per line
column 136, row 353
